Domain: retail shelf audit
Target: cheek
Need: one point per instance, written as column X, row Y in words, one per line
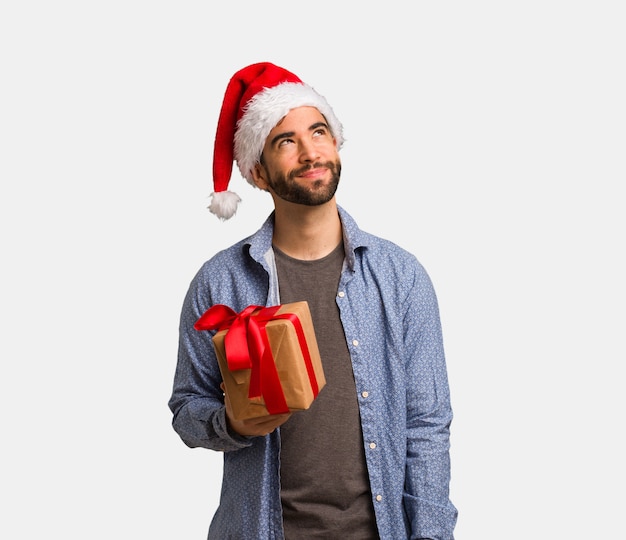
column 281, row 163
column 329, row 150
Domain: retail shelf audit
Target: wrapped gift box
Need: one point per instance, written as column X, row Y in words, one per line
column 284, row 372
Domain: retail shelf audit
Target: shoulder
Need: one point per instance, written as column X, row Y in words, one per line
column 391, row 259
column 239, row 257
column 391, row 266
column 385, row 253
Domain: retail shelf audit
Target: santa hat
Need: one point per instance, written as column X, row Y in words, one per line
column 256, row 99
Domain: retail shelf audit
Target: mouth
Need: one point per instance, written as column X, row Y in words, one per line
column 314, row 171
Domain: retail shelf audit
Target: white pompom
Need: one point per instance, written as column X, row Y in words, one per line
column 224, row 204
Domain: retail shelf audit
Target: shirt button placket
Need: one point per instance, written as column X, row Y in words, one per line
column 365, row 394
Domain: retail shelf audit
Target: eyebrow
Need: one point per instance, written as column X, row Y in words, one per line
column 288, row 134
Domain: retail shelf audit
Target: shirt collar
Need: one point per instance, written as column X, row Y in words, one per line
column 353, row 238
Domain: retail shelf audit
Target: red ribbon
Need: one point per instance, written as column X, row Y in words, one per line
column 247, row 347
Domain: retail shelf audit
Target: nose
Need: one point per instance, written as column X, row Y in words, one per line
column 308, row 151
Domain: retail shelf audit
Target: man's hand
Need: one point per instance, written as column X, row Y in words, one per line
column 253, row 427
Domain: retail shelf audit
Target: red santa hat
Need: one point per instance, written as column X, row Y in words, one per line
column 256, row 99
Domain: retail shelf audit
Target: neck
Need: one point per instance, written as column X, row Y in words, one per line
column 307, row 232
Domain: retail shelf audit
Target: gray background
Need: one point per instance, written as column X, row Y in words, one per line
column 485, row 137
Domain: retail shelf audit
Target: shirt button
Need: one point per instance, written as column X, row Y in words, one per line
column 372, row 445
column 355, row 342
column 365, row 393
column 341, row 294
column 379, row 498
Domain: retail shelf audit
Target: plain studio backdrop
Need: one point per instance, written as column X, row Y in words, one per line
column 485, row 137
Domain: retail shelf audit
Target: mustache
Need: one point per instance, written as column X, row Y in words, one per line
column 318, row 165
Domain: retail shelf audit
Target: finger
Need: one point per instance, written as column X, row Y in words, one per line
column 267, row 421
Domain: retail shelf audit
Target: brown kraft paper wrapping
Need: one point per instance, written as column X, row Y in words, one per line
column 288, row 359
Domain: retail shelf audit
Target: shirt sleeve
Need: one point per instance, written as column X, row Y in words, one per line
column 429, row 415
column 197, row 401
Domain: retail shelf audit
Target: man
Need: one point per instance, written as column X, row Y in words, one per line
column 370, row 457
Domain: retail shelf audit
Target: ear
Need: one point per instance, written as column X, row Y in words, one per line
column 259, row 175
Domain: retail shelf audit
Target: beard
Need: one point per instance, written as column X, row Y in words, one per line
column 313, row 194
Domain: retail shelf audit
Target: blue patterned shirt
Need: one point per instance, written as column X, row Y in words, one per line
column 390, row 316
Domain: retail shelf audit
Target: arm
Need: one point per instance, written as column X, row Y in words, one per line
column 197, row 400
column 202, row 412
column 429, row 415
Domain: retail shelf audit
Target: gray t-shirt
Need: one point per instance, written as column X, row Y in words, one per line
column 325, row 488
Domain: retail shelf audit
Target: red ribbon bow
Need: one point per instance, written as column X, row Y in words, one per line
column 247, row 347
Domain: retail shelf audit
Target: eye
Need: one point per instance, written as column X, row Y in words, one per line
column 285, row 142
column 320, row 132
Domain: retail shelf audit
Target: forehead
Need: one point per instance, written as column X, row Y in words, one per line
column 299, row 118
